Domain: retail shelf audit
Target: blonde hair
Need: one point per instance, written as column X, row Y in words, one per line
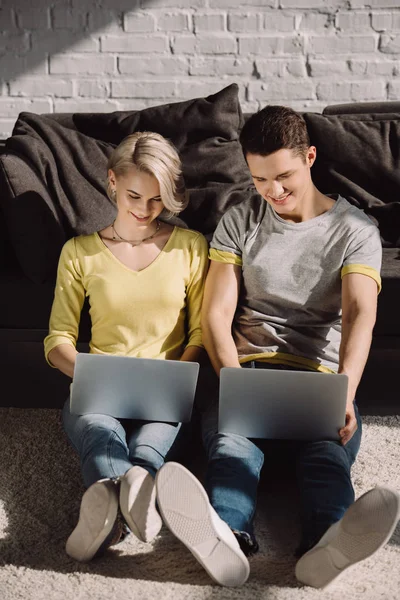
column 153, row 154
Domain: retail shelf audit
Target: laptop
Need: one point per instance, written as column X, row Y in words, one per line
column 134, row 388
column 279, row 404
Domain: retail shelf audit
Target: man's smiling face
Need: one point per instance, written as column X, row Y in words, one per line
column 283, row 179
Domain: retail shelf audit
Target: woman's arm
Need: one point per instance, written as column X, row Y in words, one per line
column 193, row 354
column 69, row 295
column 219, row 305
column 63, row 358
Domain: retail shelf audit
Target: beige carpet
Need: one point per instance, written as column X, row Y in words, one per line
column 40, row 491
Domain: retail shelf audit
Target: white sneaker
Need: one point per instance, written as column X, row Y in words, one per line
column 364, row 528
column 187, row 512
column 137, row 501
column 97, row 523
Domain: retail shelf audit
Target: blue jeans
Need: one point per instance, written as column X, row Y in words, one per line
column 108, row 447
column 322, row 469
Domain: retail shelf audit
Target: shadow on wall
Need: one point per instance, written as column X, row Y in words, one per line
column 34, row 31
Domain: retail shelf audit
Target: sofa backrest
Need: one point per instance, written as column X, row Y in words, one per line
column 357, row 108
column 358, row 156
column 56, row 166
column 53, row 173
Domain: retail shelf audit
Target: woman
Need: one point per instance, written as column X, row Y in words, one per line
column 144, row 279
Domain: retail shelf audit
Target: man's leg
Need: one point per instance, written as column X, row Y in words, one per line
column 233, row 473
column 338, row 532
column 326, row 490
column 206, row 529
column 187, row 512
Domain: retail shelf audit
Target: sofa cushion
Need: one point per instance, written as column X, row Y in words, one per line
column 358, row 157
column 388, row 317
column 25, row 308
column 54, row 171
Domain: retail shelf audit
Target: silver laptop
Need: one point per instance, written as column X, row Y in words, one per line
column 134, row 388
column 279, row 404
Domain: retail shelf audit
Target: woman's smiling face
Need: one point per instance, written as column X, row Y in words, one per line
column 137, row 195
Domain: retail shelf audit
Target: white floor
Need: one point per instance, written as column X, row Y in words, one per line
column 40, row 491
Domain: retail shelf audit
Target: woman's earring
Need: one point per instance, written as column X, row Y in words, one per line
column 114, row 194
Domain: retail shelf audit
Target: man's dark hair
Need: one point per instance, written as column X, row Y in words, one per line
column 274, row 128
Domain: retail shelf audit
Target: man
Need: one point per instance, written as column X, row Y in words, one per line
column 293, row 284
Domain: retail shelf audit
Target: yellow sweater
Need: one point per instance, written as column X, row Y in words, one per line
column 153, row 313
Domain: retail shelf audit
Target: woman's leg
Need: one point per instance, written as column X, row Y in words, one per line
column 149, row 443
column 100, row 441
column 101, row 445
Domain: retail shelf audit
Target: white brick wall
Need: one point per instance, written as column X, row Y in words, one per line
column 103, row 55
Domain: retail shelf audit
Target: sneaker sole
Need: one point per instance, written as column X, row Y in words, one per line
column 322, row 564
column 142, row 518
column 97, row 516
column 185, row 509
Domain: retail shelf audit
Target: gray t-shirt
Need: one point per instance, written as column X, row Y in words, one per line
column 289, row 310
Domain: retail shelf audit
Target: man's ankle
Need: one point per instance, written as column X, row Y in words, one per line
column 247, row 542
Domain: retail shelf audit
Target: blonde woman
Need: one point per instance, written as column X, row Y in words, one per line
column 144, row 279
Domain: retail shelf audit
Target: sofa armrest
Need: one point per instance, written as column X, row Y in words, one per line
column 32, row 221
column 8, row 259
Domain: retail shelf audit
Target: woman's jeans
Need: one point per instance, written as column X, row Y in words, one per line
column 108, row 447
column 322, row 469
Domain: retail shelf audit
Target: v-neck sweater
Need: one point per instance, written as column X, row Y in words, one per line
column 151, row 313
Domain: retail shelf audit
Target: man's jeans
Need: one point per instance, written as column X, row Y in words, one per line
column 322, row 469
column 108, row 447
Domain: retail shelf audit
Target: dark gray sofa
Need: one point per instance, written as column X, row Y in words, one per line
column 349, row 162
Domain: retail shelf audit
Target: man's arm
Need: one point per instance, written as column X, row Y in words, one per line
column 219, row 305
column 359, row 304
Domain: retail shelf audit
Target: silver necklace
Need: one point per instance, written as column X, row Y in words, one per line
column 119, row 238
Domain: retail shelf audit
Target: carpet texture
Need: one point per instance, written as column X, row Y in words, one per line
column 40, row 492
